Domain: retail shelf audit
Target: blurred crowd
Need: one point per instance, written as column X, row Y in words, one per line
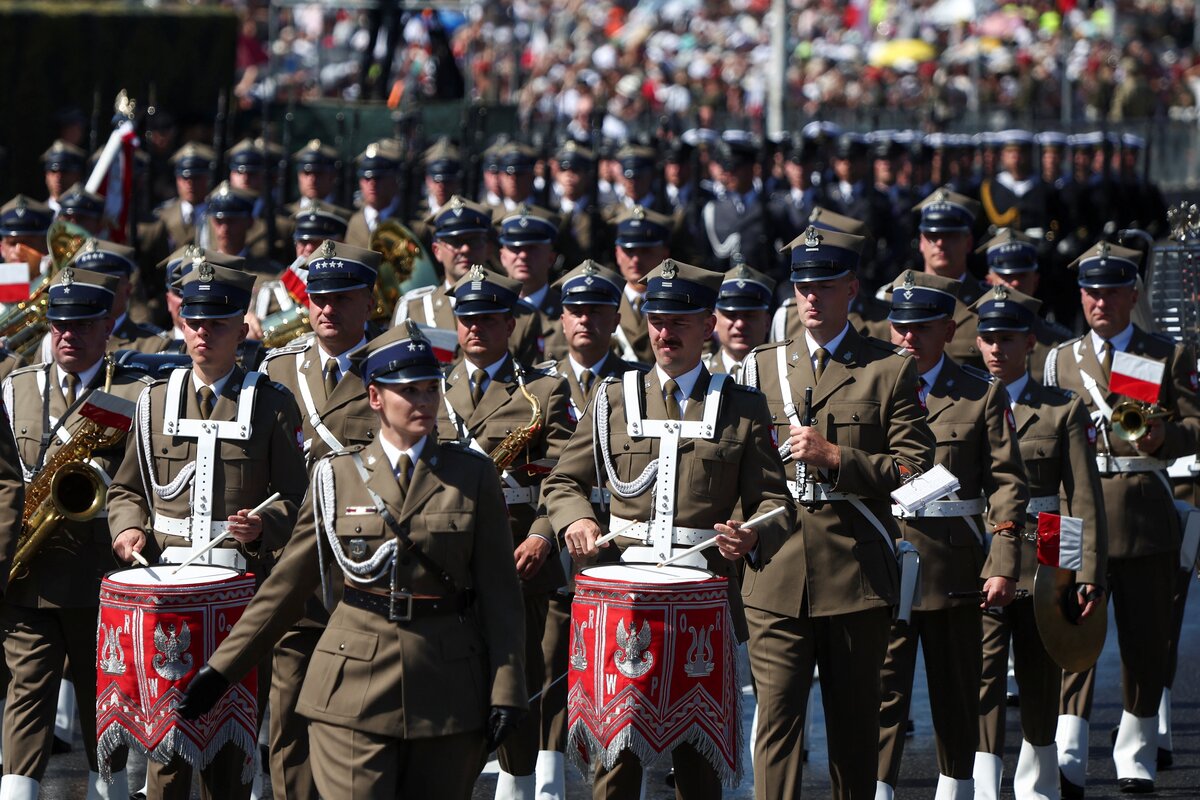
column 937, row 59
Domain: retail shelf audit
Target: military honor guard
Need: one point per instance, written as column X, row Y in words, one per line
column 641, row 245
column 319, row 371
column 694, row 491
column 516, row 163
column 825, row 598
column 1012, row 260
column 947, row 221
column 743, row 316
column 377, row 168
column 249, row 163
column 23, row 226
column 461, row 237
column 1017, row 197
column 83, row 208
column 230, row 214
column 976, row 441
column 427, row 640
column 1115, row 367
column 443, row 177
column 152, row 500
column 1057, row 443
column 519, row 416
column 527, row 254
column 62, row 165
column 737, row 224
column 54, row 586
column 181, row 219
column 118, row 260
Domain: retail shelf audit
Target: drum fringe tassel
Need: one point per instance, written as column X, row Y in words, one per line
column 175, row 743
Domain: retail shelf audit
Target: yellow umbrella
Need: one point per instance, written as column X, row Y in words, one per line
column 887, row 54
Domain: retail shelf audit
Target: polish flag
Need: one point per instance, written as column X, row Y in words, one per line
column 445, row 343
column 1060, row 541
column 112, row 178
column 109, row 410
column 14, row 282
column 1136, row 376
column 295, row 280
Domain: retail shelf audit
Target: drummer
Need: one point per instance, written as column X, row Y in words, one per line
column 50, row 606
column 712, row 476
column 154, row 511
column 1057, row 442
column 428, row 642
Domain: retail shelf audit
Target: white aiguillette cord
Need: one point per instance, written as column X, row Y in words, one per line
column 696, row 548
column 194, row 557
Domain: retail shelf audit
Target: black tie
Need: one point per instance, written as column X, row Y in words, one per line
column 822, row 360
column 402, row 471
column 206, row 402
column 669, row 389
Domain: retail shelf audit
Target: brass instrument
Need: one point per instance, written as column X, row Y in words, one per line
column 67, row 488
column 23, row 326
column 400, row 249
column 1130, row 419
column 283, row 326
column 507, row 451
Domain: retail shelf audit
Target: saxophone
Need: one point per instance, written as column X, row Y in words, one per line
column 67, row 488
column 507, row 451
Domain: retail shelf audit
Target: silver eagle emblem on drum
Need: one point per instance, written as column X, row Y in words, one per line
column 112, row 657
column 172, row 660
column 632, row 658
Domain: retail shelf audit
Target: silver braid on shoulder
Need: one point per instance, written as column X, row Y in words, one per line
column 325, row 498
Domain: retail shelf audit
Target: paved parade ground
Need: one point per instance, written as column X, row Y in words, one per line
column 67, row 774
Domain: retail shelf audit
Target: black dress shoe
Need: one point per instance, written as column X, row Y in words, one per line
column 671, row 778
column 1135, row 785
column 1069, row 790
column 60, row 746
column 1166, row 759
column 264, row 753
column 1012, row 700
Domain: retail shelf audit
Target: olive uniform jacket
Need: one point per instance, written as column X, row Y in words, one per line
column 976, row 439
column 739, row 465
column 963, row 348
column 868, row 316
column 539, row 336
column 1142, row 520
column 1047, row 335
column 345, row 413
column 67, row 569
column 248, row 471
column 528, row 337
column 128, row 335
column 12, row 501
column 633, row 326
column 866, row 403
column 176, row 232
column 502, row 410
column 434, row 676
column 1058, row 446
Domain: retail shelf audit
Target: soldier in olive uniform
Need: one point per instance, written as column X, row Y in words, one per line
column 443, row 178
column 119, row 261
column 582, row 234
column 591, row 298
column 23, row 226
column 427, row 640
column 527, row 254
column 947, row 220
column 824, row 600
column 743, row 316
column 461, row 234
column 318, row 371
column 83, row 208
column 231, row 221
column 517, row 162
column 487, row 400
column 1143, row 527
column 711, row 477
column 62, row 165
column 1012, row 260
column 180, row 219
column 641, row 245
column 378, row 172
column 1058, row 447
column 147, row 513
column 248, row 169
column 49, row 612
column 976, row 441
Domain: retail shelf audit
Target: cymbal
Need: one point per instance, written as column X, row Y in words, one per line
column 1073, row 645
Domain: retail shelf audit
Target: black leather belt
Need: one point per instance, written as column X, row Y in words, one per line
column 403, row 607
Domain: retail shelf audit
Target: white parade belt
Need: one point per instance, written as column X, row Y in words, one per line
column 817, row 493
column 680, row 536
column 944, row 508
column 173, row 526
column 1113, row 465
column 1043, row 505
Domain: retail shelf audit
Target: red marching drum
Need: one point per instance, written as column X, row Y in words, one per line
column 156, row 629
column 652, row 666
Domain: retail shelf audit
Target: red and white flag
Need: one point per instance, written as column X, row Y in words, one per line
column 109, row 410
column 1136, row 376
column 14, row 282
column 112, row 178
column 445, row 343
column 295, row 280
column 1060, row 541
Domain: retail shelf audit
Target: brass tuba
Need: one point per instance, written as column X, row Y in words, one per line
column 400, row 249
column 1130, row 419
column 23, row 326
column 67, row 488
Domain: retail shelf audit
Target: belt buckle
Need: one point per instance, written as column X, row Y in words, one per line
column 393, row 616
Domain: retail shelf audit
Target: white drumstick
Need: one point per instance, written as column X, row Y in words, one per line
column 696, row 548
column 139, row 558
column 216, row 540
column 608, row 537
